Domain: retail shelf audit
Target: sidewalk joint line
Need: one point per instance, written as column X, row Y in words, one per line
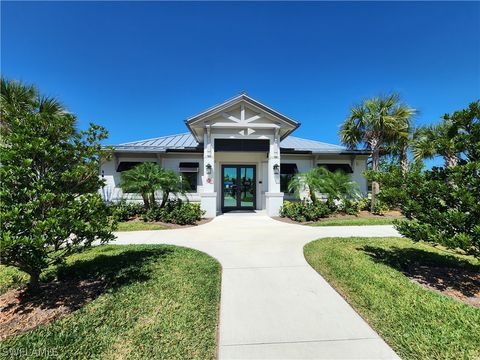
column 300, row 341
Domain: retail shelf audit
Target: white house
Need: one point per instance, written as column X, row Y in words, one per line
column 237, row 155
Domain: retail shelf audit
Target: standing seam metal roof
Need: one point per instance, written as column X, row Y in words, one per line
column 187, row 141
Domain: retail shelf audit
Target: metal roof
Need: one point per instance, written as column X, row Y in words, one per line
column 187, row 142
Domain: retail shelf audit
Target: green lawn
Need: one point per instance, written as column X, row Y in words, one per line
column 418, row 323
column 161, row 302
column 139, row 225
column 354, row 221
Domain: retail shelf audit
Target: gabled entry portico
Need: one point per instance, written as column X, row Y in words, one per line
column 252, row 131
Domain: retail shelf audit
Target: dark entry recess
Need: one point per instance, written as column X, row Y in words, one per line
column 242, row 145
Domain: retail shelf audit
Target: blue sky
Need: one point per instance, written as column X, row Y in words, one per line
column 140, row 69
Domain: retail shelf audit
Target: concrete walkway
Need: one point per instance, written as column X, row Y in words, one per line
column 273, row 304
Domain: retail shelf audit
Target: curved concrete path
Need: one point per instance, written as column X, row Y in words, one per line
column 273, row 304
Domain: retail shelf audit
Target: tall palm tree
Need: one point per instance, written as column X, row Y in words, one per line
column 403, row 138
column 430, row 141
column 375, row 124
column 17, row 98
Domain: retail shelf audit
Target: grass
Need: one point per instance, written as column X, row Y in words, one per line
column 139, row 225
column 354, row 221
column 418, row 323
column 161, row 302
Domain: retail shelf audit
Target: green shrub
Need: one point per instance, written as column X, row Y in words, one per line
column 124, row 211
column 176, row 212
column 304, row 211
column 350, row 207
column 441, row 205
column 380, row 208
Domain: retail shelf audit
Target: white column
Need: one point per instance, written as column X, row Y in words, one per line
column 274, row 198
column 208, row 196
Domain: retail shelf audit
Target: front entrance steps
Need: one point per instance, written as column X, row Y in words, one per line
column 245, row 213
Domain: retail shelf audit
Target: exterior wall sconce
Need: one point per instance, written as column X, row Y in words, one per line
column 209, row 169
column 276, row 169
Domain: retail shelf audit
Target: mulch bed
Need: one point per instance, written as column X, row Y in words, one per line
column 461, row 284
column 21, row 310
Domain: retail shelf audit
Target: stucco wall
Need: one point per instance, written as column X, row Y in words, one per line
column 112, row 190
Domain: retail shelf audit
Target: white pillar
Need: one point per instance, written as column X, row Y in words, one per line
column 273, row 197
column 208, row 197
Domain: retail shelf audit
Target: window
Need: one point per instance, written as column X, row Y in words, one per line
column 189, row 171
column 287, row 172
column 190, row 180
column 346, row 168
column 127, row 165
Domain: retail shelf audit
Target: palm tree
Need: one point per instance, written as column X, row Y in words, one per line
column 401, row 143
column 19, row 98
column 147, row 178
column 143, row 179
column 312, row 180
column 171, row 184
column 430, row 141
column 337, row 185
column 375, row 123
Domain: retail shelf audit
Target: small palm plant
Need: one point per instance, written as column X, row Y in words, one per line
column 336, row 185
column 144, row 179
column 312, row 181
column 341, row 186
column 147, row 178
column 171, row 183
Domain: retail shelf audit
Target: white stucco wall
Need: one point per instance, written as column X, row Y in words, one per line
column 305, row 162
column 112, row 191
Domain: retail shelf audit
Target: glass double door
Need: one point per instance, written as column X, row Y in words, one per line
column 238, row 187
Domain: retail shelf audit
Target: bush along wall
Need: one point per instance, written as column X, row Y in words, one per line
column 304, row 210
column 175, row 212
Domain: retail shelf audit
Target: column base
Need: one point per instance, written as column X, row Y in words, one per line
column 208, row 203
column 274, row 202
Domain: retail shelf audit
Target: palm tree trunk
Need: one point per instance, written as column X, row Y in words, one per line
column 451, row 160
column 403, row 160
column 145, row 201
column 312, row 195
column 375, row 185
column 165, row 195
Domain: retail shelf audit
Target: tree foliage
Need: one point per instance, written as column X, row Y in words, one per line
column 376, row 124
column 49, row 201
column 442, row 205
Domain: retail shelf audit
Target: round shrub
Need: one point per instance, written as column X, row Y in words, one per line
column 304, row 211
column 175, row 212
